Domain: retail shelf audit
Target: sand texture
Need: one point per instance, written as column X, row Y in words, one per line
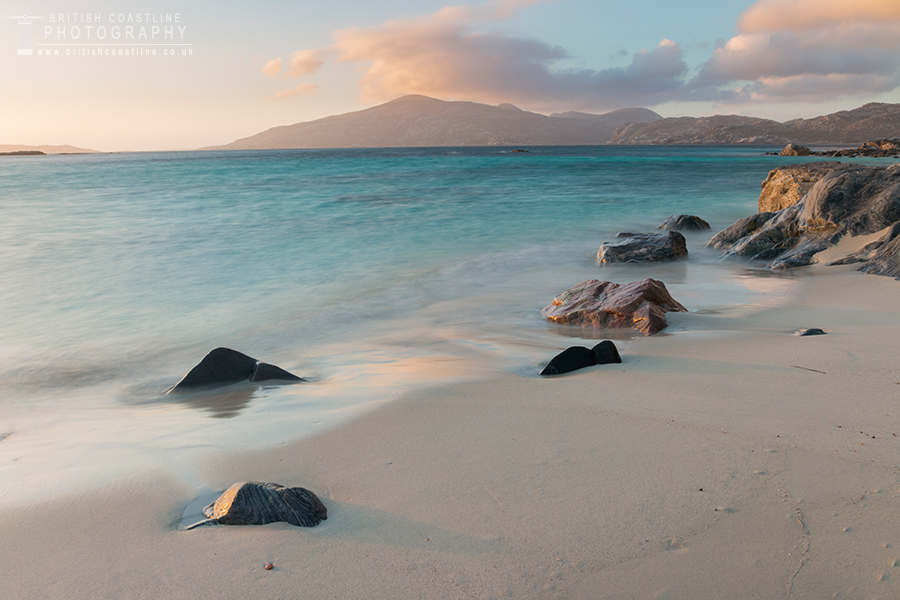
column 732, row 460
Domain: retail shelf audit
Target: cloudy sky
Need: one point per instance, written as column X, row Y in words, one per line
column 227, row 69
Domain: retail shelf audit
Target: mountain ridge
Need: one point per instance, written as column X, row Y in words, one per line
column 416, row 120
column 871, row 121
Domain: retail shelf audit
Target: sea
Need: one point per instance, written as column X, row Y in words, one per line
column 368, row 272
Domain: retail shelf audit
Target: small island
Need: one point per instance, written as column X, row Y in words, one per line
column 24, row 153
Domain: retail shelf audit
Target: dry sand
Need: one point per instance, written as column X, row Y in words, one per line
column 733, row 460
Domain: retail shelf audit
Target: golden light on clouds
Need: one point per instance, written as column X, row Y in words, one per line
column 795, row 15
column 809, row 49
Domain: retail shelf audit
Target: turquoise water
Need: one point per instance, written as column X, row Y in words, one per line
column 367, row 271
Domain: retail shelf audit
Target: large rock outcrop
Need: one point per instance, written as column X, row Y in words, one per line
column 844, row 200
column 641, row 305
column 786, row 185
column 643, row 247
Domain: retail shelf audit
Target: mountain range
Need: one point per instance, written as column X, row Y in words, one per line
column 851, row 127
column 422, row 121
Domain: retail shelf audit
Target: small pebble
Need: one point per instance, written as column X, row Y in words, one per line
column 807, row 332
column 270, row 566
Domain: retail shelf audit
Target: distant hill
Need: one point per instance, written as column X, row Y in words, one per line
column 871, row 121
column 45, row 149
column 423, row 121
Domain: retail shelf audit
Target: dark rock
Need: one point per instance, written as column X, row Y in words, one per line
column 570, row 359
column 643, row 247
column 578, row 357
column 606, row 353
column 684, row 223
column 641, row 305
column 848, row 200
column 224, row 366
column 794, row 150
column 250, row 503
column 808, row 332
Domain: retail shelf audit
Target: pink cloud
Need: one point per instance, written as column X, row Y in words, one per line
column 784, row 49
column 306, row 62
column 801, row 48
column 450, row 54
column 273, row 67
column 767, row 16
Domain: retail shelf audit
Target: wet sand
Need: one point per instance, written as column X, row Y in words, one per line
column 727, row 460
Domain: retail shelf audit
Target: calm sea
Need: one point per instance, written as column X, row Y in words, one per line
column 366, row 271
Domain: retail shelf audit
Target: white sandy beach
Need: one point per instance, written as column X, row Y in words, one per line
column 731, row 460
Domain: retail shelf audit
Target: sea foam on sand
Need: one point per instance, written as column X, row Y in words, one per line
column 709, row 464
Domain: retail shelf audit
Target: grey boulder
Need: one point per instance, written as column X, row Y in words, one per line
column 643, row 247
column 684, row 223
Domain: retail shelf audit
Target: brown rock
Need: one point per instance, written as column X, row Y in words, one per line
column 795, row 150
column 787, row 185
column 641, row 305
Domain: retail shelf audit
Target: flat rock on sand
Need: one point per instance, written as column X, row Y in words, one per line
column 251, row 503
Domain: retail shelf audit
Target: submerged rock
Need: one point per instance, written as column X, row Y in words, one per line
column 641, row 305
column 643, row 247
column 224, row 366
column 684, row 223
column 847, row 200
column 251, row 503
column 579, row 357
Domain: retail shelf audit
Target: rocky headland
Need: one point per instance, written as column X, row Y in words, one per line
column 883, row 148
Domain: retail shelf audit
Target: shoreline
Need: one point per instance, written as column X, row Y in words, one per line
column 580, row 486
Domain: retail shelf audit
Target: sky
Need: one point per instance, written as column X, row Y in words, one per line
column 143, row 75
